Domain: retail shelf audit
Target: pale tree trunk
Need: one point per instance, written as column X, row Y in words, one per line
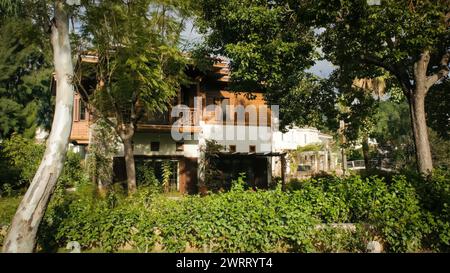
column 22, row 233
column 126, row 133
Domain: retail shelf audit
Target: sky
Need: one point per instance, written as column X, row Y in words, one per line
column 322, row 69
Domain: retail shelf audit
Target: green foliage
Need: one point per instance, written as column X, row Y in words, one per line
column 73, row 173
column 399, row 217
column 102, row 148
column 355, row 154
column 393, row 134
column 406, row 215
column 390, row 36
column 440, row 149
column 21, row 158
column 25, row 77
column 145, row 177
column 8, row 207
column 331, row 239
column 388, row 40
column 213, row 177
column 270, row 47
column 434, row 196
column 167, row 167
column 310, row 148
column 230, row 222
column 138, row 55
column 397, row 210
column 437, row 105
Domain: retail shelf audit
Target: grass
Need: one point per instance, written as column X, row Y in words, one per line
column 8, row 207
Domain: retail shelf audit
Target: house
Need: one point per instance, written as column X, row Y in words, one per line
column 311, row 149
column 241, row 122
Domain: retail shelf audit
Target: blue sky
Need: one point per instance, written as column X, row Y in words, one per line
column 322, row 69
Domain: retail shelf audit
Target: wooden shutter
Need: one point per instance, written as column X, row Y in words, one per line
column 76, row 109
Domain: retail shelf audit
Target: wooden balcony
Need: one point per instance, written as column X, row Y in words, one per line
column 163, row 122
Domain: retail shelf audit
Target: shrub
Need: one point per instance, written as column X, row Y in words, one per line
column 73, row 173
column 392, row 208
column 20, row 158
column 398, row 217
column 237, row 221
column 145, row 177
column 405, row 214
column 434, row 195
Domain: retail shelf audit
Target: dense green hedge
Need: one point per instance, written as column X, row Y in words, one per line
column 406, row 215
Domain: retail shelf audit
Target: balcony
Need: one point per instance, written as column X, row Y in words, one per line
column 163, row 122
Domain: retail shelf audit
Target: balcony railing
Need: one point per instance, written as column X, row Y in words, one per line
column 163, row 121
column 156, row 118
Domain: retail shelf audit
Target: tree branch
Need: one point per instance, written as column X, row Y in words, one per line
column 399, row 72
column 377, row 62
column 443, row 70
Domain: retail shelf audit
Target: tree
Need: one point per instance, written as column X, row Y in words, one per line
column 408, row 39
column 25, row 73
column 269, row 48
column 358, row 103
column 270, row 43
column 21, row 236
column 139, row 67
column 102, row 149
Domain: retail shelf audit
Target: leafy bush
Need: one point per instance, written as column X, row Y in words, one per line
column 20, row 158
column 393, row 208
column 434, row 197
column 146, row 177
column 405, row 214
column 237, row 221
column 73, row 173
column 399, row 217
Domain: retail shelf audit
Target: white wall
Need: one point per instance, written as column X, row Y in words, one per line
column 79, row 149
column 296, row 137
column 239, row 135
column 167, row 146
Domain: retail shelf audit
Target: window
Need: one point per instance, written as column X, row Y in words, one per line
column 179, row 146
column 252, row 149
column 82, row 111
column 154, row 146
column 232, row 148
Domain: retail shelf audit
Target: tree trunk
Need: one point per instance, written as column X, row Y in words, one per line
column 22, row 233
column 344, row 161
column 366, row 150
column 416, row 100
column 129, row 164
column 420, row 132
